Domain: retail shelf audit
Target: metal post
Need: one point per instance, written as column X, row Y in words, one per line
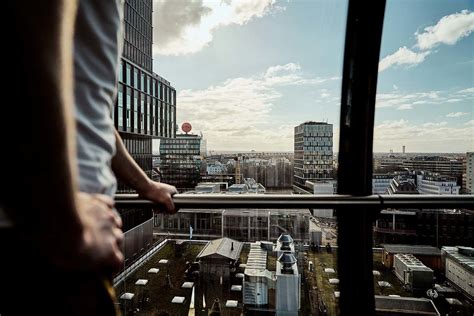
column 359, row 84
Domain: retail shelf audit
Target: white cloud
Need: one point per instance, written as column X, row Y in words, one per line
column 469, row 91
column 405, row 107
column 457, row 114
column 185, row 27
column 403, row 56
column 469, row 123
column 434, row 124
column 427, row 137
column 406, row 101
column 448, row 30
column 237, row 112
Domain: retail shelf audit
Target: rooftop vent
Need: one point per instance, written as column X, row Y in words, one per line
column 287, row 260
column 285, row 238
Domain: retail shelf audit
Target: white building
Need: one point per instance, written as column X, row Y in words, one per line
column 459, row 268
column 470, row 173
column 381, row 182
column 322, row 188
column 216, row 168
column 432, row 183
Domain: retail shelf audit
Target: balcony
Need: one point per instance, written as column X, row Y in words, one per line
column 180, row 250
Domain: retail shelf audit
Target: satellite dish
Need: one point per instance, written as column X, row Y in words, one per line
column 186, row 127
column 431, row 293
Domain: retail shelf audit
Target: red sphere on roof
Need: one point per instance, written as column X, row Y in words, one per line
column 186, row 127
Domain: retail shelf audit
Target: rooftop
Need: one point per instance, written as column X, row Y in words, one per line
column 462, row 255
column 412, row 249
column 224, row 247
column 405, row 305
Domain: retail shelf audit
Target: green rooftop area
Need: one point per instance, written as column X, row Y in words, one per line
column 155, row 298
column 320, row 293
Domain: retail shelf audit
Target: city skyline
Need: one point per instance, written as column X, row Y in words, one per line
column 247, row 73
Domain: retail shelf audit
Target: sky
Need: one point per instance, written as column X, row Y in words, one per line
column 247, row 72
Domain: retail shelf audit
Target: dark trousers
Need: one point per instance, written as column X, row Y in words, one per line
column 29, row 285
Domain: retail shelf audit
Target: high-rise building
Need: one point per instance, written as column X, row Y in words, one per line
column 181, row 161
column 145, row 109
column 313, row 154
column 146, row 103
column 469, row 187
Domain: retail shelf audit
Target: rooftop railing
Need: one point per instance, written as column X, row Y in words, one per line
column 266, row 201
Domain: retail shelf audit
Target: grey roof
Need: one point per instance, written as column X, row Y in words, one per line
column 222, row 247
column 412, row 249
column 461, row 256
column 405, row 304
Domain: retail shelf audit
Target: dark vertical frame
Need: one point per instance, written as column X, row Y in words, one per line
column 359, row 84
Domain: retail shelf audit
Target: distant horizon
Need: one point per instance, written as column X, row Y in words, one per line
column 335, row 152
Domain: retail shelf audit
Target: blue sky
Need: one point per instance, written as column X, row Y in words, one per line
column 247, row 72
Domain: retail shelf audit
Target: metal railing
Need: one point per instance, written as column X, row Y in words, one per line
column 266, row 201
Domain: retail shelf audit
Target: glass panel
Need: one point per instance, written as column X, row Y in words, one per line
column 120, row 106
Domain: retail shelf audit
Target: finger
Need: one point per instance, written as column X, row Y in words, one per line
column 117, row 218
column 105, row 199
column 169, row 205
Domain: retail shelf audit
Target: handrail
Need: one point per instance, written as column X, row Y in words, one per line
column 297, row 201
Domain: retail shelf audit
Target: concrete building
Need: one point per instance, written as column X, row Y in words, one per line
column 459, row 268
column 288, row 286
column 469, row 186
column 218, row 257
column 432, row 183
column 442, row 165
column 313, row 154
column 428, row 255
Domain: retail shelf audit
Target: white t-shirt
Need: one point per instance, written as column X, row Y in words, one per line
column 98, row 45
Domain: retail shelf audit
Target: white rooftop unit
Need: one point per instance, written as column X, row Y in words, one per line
column 412, row 272
column 257, row 278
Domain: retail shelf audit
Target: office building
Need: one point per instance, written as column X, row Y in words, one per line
column 145, row 109
column 146, row 102
column 469, row 173
column 313, row 154
column 181, row 161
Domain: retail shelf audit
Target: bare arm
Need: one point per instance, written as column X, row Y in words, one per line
column 127, row 170
column 39, row 192
column 44, row 32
